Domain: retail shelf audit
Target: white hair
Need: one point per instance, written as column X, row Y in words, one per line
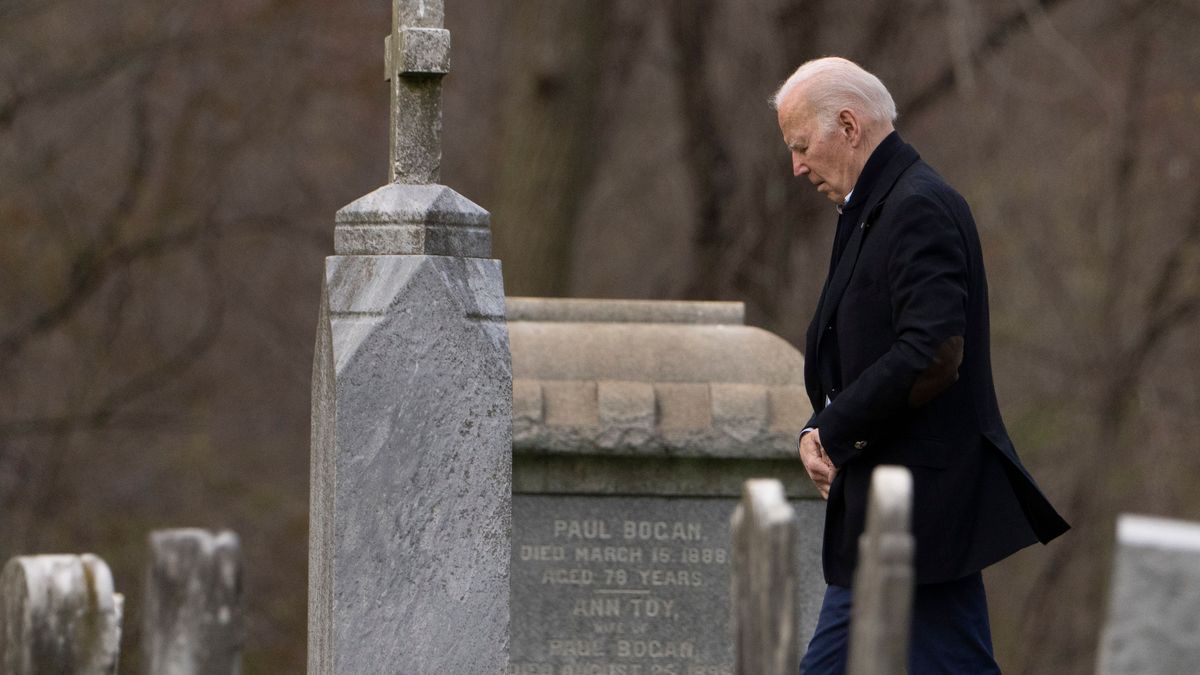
column 838, row 84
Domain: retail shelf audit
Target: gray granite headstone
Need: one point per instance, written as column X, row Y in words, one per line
column 635, row 424
column 764, row 581
column 59, row 614
column 193, row 623
column 880, row 618
column 410, row 494
column 1154, row 605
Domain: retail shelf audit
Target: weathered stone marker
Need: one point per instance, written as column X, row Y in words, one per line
column 59, row 614
column 412, row 394
column 1154, row 606
column 193, row 623
column 635, row 425
column 881, row 615
column 764, row 580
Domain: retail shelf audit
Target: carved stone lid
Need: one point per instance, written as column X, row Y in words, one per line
column 651, row 378
column 403, row 219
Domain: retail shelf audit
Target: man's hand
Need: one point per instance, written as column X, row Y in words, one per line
column 818, row 465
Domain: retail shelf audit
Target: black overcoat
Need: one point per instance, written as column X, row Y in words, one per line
column 909, row 279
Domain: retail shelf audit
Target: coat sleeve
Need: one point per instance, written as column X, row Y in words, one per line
column 927, row 272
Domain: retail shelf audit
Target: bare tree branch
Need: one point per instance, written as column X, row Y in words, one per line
column 995, row 39
column 74, row 83
column 86, row 77
column 1127, row 137
column 1165, row 285
column 95, row 262
column 959, row 26
column 1051, row 38
column 91, row 421
column 13, row 10
column 1117, row 378
column 164, row 372
column 87, row 282
column 157, row 375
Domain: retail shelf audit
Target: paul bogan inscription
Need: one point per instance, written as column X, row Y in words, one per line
column 631, row 581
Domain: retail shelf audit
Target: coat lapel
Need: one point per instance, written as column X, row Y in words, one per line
column 836, row 286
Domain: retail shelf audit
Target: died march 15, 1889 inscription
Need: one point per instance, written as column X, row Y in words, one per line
column 632, row 586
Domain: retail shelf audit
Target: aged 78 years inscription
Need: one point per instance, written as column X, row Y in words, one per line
column 620, row 586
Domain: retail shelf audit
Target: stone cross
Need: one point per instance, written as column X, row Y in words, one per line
column 193, row 622
column 764, row 580
column 59, row 614
column 881, row 614
column 1154, row 606
column 416, row 56
column 413, row 214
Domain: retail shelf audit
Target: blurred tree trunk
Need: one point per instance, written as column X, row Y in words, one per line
column 548, row 122
column 746, row 221
column 785, row 212
column 706, row 158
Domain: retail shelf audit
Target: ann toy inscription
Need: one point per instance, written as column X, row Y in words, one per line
column 620, row 586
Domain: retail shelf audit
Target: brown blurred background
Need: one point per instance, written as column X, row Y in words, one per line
column 169, row 173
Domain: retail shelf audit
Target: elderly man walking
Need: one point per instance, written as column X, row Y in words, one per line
column 898, row 370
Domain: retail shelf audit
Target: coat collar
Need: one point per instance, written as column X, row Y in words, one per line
column 873, row 170
column 887, row 163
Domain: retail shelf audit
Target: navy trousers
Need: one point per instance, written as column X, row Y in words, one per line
column 950, row 631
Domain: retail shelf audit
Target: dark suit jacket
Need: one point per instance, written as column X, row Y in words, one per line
column 908, row 282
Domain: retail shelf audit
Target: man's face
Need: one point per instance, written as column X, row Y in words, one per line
column 825, row 158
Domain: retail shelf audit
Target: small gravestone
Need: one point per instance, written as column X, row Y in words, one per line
column 1154, row 606
column 635, row 425
column 881, row 615
column 410, row 495
column 194, row 621
column 59, row 614
column 764, row 580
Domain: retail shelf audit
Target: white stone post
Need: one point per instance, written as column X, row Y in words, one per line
column 59, row 614
column 764, row 580
column 881, row 614
column 411, row 490
column 1154, row 604
column 193, row 622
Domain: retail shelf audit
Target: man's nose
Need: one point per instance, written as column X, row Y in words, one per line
column 799, row 168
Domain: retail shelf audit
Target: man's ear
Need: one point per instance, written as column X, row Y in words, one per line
column 848, row 125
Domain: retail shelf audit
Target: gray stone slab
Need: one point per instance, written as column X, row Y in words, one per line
column 645, row 412
column 634, row 584
column 194, row 618
column 587, row 310
column 880, row 622
column 669, row 476
column 59, row 614
column 672, row 389
column 764, row 581
column 660, row 353
column 411, row 468
column 1153, row 621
